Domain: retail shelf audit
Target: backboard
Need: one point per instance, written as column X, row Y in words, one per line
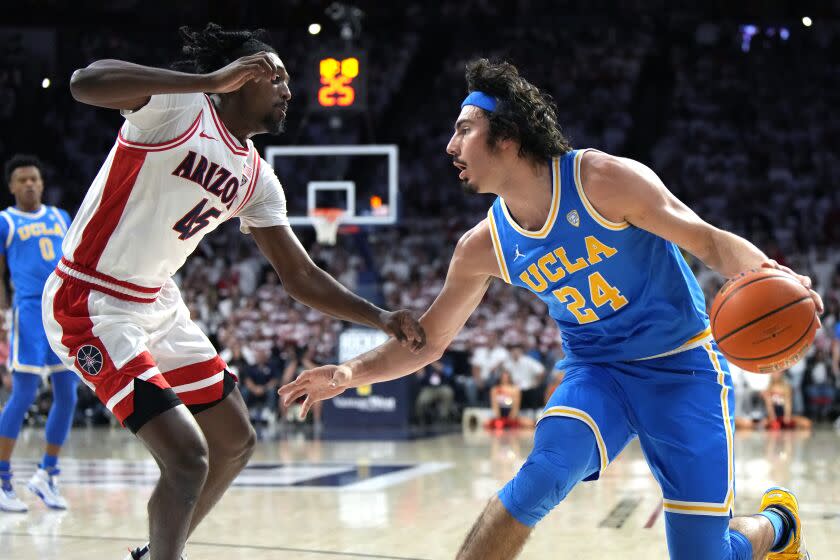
column 361, row 179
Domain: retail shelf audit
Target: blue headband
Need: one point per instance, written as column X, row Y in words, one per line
column 480, row 99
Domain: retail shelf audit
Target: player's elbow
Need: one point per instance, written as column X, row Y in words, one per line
column 81, row 83
column 435, row 351
column 300, row 281
column 435, row 347
column 87, row 84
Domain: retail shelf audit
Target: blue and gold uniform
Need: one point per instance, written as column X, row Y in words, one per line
column 640, row 362
column 31, row 242
column 617, row 292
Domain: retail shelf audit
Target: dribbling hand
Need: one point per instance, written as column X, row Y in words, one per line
column 242, row 70
column 317, row 384
column 804, row 280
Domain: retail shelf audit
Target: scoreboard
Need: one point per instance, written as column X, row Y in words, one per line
column 340, row 81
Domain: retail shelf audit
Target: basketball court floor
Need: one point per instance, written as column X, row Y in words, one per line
column 410, row 500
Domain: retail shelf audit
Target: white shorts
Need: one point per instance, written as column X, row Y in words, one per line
column 112, row 342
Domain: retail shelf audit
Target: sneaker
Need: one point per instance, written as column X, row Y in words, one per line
column 139, row 553
column 142, row 553
column 9, row 500
column 794, row 549
column 44, row 485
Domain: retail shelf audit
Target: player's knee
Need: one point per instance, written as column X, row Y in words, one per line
column 238, row 445
column 70, row 398
column 25, row 388
column 186, row 471
column 542, row 483
column 699, row 537
column 64, row 392
column 247, row 445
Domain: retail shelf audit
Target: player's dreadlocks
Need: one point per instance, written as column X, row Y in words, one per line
column 21, row 160
column 523, row 112
column 213, row 47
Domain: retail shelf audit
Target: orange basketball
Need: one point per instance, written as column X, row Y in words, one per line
column 764, row 320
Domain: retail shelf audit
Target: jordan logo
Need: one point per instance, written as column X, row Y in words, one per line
column 517, row 254
column 202, row 135
column 573, row 218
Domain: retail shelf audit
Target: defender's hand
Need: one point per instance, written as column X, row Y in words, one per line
column 804, row 280
column 240, row 71
column 405, row 328
column 317, row 384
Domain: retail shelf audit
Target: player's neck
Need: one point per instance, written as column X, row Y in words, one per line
column 29, row 209
column 231, row 118
column 527, row 191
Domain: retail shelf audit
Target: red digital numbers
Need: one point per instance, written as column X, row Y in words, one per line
column 337, row 82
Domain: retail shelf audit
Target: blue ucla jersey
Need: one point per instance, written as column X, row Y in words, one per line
column 31, row 242
column 617, row 292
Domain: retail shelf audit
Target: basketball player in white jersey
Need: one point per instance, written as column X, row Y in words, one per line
column 182, row 164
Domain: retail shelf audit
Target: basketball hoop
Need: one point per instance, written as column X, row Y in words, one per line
column 326, row 222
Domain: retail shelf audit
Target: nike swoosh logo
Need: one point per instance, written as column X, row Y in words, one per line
column 201, row 134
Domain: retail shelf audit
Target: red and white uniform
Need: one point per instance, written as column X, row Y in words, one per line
column 174, row 174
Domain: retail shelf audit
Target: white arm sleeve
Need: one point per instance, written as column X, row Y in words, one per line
column 267, row 206
column 163, row 118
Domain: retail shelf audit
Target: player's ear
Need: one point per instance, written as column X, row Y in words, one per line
column 507, row 144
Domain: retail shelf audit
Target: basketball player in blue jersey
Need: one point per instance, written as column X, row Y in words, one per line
column 30, row 242
column 597, row 238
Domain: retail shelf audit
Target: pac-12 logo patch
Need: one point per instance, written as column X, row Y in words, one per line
column 573, row 218
column 89, row 359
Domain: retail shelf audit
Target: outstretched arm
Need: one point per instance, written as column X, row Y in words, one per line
column 467, row 280
column 310, row 285
column 625, row 190
column 116, row 84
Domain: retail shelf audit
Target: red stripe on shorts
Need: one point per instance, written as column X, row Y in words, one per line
column 70, row 310
column 181, row 378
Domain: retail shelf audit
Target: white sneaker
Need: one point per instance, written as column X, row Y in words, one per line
column 10, row 502
column 142, row 553
column 139, row 553
column 45, row 486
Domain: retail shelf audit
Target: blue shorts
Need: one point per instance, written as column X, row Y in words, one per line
column 679, row 406
column 29, row 351
column 681, row 409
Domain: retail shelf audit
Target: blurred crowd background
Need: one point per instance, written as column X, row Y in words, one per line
column 730, row 106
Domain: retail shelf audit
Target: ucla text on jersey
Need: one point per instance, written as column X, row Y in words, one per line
column 31, row 242
column 617, row 292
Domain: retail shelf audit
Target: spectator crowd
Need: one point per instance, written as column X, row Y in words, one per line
column 744, row 137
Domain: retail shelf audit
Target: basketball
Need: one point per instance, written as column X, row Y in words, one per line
column 764, row 320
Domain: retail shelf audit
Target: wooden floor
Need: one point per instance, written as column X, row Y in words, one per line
column 304, row 499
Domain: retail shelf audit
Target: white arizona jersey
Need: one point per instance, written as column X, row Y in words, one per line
column 174, row 174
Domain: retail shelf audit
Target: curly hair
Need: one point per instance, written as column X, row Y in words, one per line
column 523, row 112
column 213, row 47
column 21, row 160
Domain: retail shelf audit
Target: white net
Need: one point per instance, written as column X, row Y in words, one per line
column 326, row 222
